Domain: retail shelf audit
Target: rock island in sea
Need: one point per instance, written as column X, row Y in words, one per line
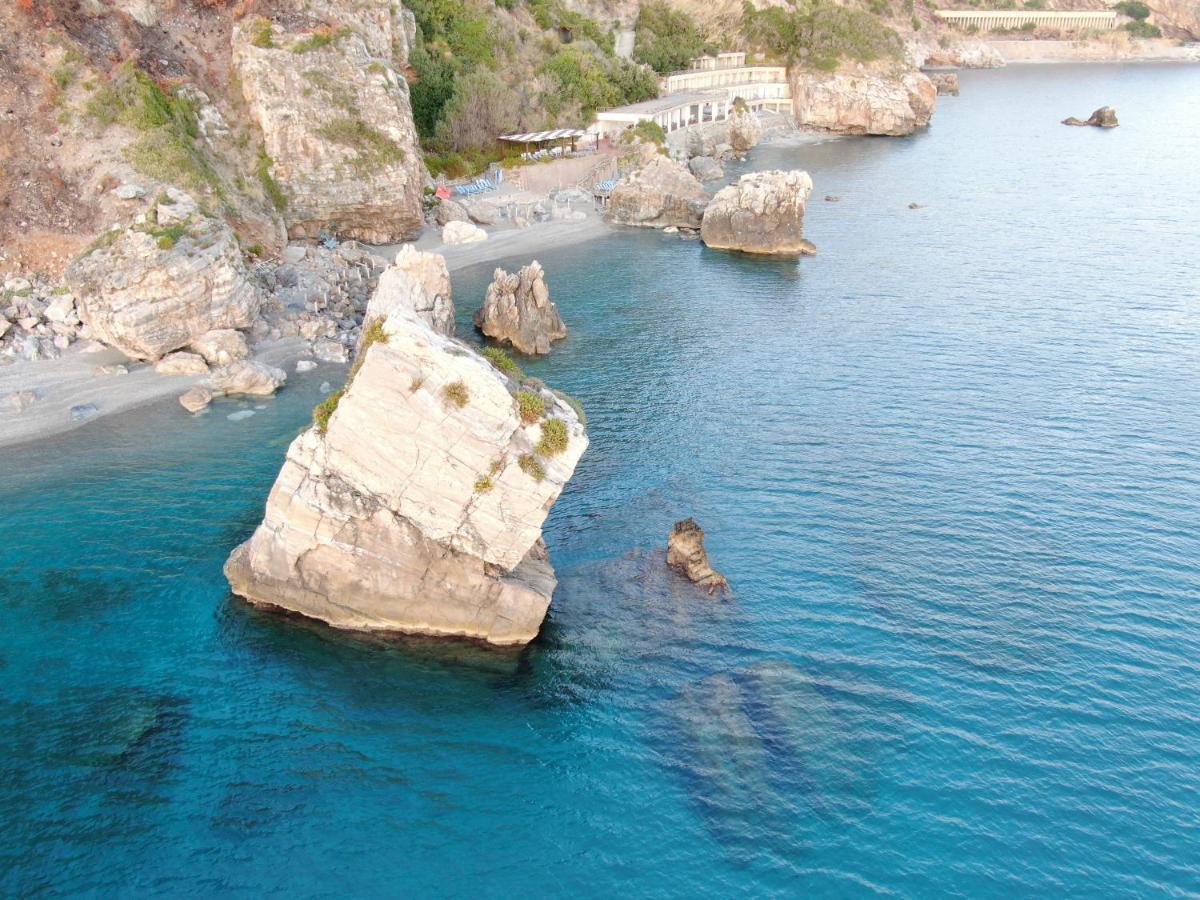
column 415, row 501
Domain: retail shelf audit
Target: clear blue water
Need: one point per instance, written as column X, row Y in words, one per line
column 949, row 464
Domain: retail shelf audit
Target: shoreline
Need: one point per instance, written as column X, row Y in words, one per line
column 1057, row 52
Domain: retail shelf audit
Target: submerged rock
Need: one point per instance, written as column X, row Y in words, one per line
column 416, row 500
column 659, row 193
column 336, row 118
column 1104, row 117
column 863, row 101
column 517, row 310
column 148, row 290
column 762, row 212
column 686, row 555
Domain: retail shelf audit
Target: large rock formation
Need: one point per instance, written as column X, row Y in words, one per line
column 658, row 194
column 334, row 110
column 965, row 55
column 763, row 212
column 686, row 555
column 517, row 309
column 415, row 504
column 1104, row 117
column 945, row 82
column 152, row 288
column 419, row 283
column 863, row 100
column 745, row 130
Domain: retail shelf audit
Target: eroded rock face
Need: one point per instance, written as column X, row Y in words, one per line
column 417, row 283
column 1104, row 117
column 745, row 130
column 517, row 309
column 967, row 55
column 419, row 506
column 148, row 293
column 658, row 194
column 945, row 82
column 705, row 168
column 686, row 554
column 863, row 101
column 336, row 119
column 246, row 377
column 763, row 212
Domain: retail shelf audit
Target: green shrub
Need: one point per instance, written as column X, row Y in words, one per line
column 595, row 84
column 532, row 467
column 666, row 39
column 531, row 406
column 649, row 130
column 1143, row 29
column 499, row 358
column 574, row 404
column 1035, row 4
column 260, row 34
column 819, row 34
column 456, row 393
column 168, row 235
column 325, row 409
column 318, row 39
column 483, row 485
column 554, row 438
column 64, row 75
column 270, row 186
column 1135, row 9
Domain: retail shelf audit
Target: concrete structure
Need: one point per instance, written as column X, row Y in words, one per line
column 996, row 19
column 672, row 112
column 762, row 87
column 731, row 60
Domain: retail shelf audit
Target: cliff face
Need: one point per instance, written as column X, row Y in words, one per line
column 863, row 101
column 419, row 506
column 334, row 110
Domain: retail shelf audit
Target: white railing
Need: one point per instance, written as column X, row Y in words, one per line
column 990, row 20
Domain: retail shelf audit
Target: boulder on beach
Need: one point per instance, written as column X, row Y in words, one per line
column 462, row 233
column 762, row 212
column 149, row 289
column 221, row 346
column 415, row 502
column 686, row 555
column 182, row 363
column 246, row 377
column 658, row 193
column 517, row 310
column 196, row 399
column 1104, row 117
column 705, row 168
column 450, row 211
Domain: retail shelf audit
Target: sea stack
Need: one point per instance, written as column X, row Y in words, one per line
column 415, row 501
column 686, row 555
column 762, row 212
column 1104, row 117
column 517, row 310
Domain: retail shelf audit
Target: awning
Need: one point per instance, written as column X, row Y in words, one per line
column 539, row 137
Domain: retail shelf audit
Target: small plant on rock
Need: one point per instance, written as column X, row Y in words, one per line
column 456, row 393
column 531, row 406
column 260, row 34
column 554, row 438
column 483, row 485
column 502, row 361
column 532, row 467
column 325, row 409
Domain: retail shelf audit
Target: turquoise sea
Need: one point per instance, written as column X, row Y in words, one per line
column 951, row 466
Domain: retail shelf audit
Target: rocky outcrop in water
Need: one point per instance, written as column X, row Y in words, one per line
column 658, row 194
column 686, row 555
column 417, row 283
column 415, row 502
column 1104, row 117
column 158, row 286
column 762, row 212
column 945, row 82
column 517, row 310
column 863, row 100
column 333, row 106
column 745, row 130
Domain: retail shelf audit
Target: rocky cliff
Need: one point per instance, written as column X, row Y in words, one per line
column 329, row 95
column 415, row 502
column 863, row 100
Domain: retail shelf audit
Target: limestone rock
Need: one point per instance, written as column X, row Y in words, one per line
column 246, row 377
column 462, row 233
column 863, row 101
column 451, row 211
column 330, row 351
column 482, row 213
column 659, row 193
column 147, row 294
column 411, row 510
column 686, row 554
column 425, row 289
column 745, row 130
column 763, row 212
column 196, row 399
column 945, row 82
column 967, row 55
column 705, row 168
column 337, row 120
column 1104, row 117
column 517, row 309
column 221, row 346
column 182, row 364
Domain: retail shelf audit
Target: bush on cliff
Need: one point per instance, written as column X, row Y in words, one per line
column 666, row 39
column 1135, row 9
column 820, row 34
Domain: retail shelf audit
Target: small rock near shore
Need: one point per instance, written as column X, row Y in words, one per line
column 1104, row 117
column 686, row 555
column 462, row 233
column 196, row 399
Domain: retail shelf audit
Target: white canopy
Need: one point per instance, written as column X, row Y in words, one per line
column 538, row 137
